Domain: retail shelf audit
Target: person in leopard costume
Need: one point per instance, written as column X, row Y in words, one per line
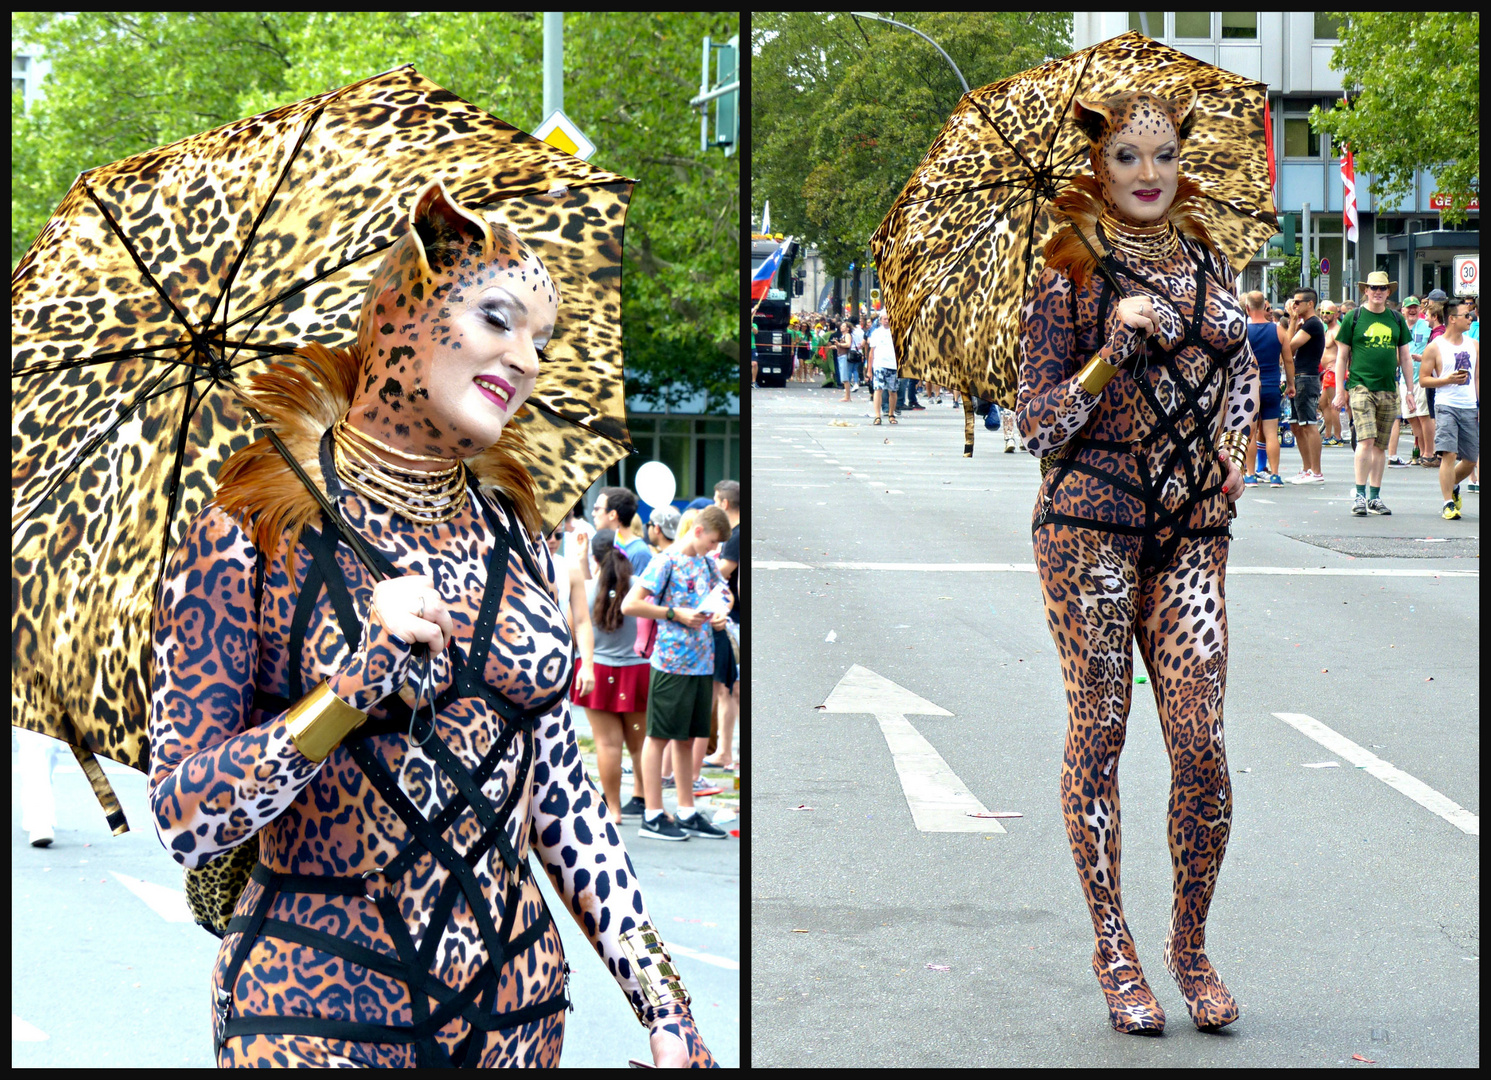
column 391, row 920
column 1139, row 403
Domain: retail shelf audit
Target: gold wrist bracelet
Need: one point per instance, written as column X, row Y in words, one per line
column 1235, row 445
column 320, row 721
column 652, row 967
column 1096, row 375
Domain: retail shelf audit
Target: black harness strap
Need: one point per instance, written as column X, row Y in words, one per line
column 1155, row 555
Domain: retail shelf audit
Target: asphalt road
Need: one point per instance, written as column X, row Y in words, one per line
column 108, row 970
column 1346, row 920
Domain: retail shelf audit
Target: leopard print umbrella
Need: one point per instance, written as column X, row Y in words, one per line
column 165, row 279
column 961, row 246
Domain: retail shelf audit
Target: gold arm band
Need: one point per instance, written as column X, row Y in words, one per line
column 656, row 974
column 1096, row 375
column 320, row 721
column 1235, row 445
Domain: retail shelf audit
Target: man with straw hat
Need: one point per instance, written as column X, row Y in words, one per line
column 1378, row 339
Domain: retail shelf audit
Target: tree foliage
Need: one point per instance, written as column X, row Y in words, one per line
column 121, row 83
column 843, row 110
column 1414, row 82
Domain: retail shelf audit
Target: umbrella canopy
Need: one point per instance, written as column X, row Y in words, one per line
column 961, row 247
column 166, row 280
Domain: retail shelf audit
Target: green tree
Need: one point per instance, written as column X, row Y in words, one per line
column 121, row 83
column 1414, row 82
column 843, row 109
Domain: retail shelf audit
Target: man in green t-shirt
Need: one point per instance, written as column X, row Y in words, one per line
column 1371, row 342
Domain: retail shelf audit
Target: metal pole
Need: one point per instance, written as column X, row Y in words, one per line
column 553, row 62
column 918, row 33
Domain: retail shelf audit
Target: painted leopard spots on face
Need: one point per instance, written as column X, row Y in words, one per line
column 1136, row 144
column 457, row 298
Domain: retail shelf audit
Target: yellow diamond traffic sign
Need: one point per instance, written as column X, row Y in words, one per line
column 560, row 132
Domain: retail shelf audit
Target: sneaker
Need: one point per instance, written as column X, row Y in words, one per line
column 1359, row 506
column 1275, row 480
column 1459, row 505
column 1396, row 463
column 697, row 825
column 1450, row 512
column 43, row 837
column 1378, row 507
column 664, row 828
column 704, row 787
column 1304, row 476
column 634, row 807
column 1316, row 478
column 1009, row 448
column 1473, row 487
column 1250, row 480
column 667, row 782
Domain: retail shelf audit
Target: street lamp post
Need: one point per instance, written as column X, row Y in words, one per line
column 918, row 33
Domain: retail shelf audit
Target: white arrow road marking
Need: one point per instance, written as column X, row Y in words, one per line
column 169, row 904
column 939, row 801
column 1388, row 773
column 21, row 1031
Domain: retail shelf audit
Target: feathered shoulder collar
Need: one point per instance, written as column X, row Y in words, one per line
column 301, row 396
column 1082, row 202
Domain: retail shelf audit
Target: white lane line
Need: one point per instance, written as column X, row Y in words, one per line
column 704, row 957
column 1029, row 568
column 779, row 565
column 1388, row 773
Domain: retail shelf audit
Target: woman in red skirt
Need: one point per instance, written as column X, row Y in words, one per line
column 617, row 707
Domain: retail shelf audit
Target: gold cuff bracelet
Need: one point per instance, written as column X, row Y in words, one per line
column 1235, row 445
column 319, row 722
column 652, row 966
column 1096, row 375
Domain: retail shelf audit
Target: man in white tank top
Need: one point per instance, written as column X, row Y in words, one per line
column 1452, row 365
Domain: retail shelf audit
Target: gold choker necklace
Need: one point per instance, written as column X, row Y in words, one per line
column 424, row 498
column 1153, row 244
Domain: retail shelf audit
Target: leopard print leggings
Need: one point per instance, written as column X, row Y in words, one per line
column 1097, row 605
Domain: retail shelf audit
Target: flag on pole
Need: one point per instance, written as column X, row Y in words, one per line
column 1348, row 205
column 1268, row 143
column 765, row 273
column 766, row 217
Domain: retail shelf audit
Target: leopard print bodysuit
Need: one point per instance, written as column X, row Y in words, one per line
column 1131, row 535
column 396, row 969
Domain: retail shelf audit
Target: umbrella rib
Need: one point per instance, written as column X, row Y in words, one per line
column 139, row 263
column 248, row 242
column 86, row 449
column 628, row 447
column 143, row 352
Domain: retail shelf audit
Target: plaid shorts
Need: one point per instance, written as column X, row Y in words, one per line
column 1372, row 414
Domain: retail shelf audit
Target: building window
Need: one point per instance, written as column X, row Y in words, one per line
column 1239, row 26
column 1327, row 27
column 1299, row 139
column 699, row 451
column 1156, row 23
column 1193, row 24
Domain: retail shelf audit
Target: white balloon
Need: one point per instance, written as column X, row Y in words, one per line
column 654, row 484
